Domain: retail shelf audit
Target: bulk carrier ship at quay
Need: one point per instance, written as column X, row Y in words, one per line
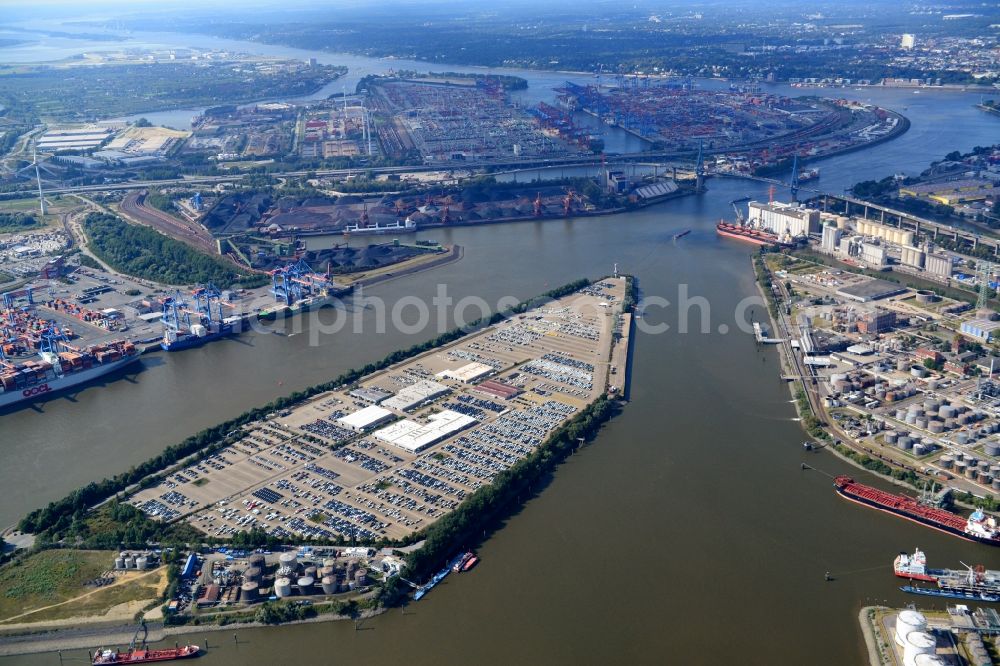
column 977, row 527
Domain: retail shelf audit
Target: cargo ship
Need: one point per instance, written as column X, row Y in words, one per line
column 280, row 311
column 197, row 334
column 60, row 367
column 975, row 583
column 143, row 656
column 977, row 527
column 749, row 234
column 808, row 174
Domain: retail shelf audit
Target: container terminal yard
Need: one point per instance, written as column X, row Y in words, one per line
column 399, row 449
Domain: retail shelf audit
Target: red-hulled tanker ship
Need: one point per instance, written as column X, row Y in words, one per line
column 144, row 656
column 977, row 527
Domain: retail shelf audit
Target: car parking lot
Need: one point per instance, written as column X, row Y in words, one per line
column 301, row 473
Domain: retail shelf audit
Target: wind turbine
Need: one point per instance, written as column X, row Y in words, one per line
column 38, row 178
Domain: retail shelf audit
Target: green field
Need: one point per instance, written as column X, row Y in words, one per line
column 49, row 577
column 29, row 206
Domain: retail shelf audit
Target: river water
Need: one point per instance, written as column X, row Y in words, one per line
column 685, row 533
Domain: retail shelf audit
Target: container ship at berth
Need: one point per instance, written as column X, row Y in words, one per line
column 977, row 527
column 60, row 367
column 143, row 656
column 974, row 584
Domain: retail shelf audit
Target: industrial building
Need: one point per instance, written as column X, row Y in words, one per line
column 874, row 254
column 983, row 330
column 938, row 264
column 879, row 321
column 414, row 395
column 468, row 373
column 366, row 418
column 831, row 238
column 415, row 437
column 872, row 290
column 781, row 218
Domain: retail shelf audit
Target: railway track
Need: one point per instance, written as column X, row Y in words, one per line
column 187, row 232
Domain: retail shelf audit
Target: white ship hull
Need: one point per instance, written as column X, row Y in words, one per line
column 55, row 384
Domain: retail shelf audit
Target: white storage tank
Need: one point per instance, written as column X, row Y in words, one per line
column 930, row 660
column 283, row 587
column 908, row 621
column 130, row 562
column 288, row 560
column 917, row 643
column 142, row 562
column 305, row 584
column 119, row 562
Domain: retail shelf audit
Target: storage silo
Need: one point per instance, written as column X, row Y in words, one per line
column 248, row 592
column 917, row 643
column 130, row 562
column 361, row 577
column 120, row 562
column 142, row 563
column 283, row 587
column 909, row 621
column 330, row 585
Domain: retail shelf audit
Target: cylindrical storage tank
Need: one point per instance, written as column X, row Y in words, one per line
column 253, row 574
column 900, row 414
column 248, row 592
column 984, row 465
column 361, row 577
column 310, row 571
column 932, row 383
column 916, row 643
column 935, row 427
column 288, row 560
column 305, row 584
column 919, row 449
column 962, row 439
column 911, row 418
column 352, row 566
column 902, row 365
column 961, row 466
column 992, row 448
column 119, row 562
column 918, row 371
column 946, row 412
column 130, row 562
column 985, row 478
column 963, row 419
column 929, row 660
column 946, row 461
column 329, row 562
column 909, row 621
column 841, row 386
column 323, row 572
column 921, row 423
column 256, row 561
column 142, row 562
column 329, row 584
column 283, row 587
column 970, row 472
column 996, row 483
column 905, row 442
column 891, row 436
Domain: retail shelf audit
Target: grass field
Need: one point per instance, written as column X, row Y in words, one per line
column 56, row 205
column 49, row 577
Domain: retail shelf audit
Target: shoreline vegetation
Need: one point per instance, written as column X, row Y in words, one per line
column 472, row 522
